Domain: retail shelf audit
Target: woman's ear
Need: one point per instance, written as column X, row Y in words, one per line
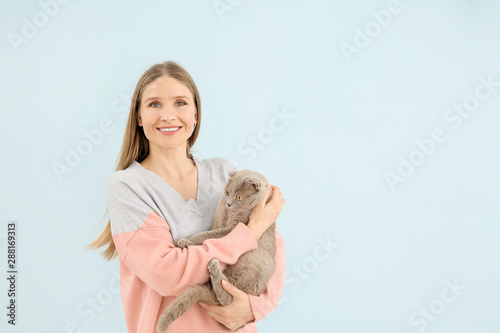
column 139, row 120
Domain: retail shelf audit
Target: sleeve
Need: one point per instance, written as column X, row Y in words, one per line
column 266, row 302
column 145, row 245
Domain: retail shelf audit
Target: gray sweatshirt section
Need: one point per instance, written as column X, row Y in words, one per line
column 135, row 192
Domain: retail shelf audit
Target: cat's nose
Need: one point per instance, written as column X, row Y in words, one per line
column 228, row 205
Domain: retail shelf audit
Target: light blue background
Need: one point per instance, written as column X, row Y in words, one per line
column 351, row 120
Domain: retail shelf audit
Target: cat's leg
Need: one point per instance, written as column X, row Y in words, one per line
column 189, row 297
column 216, row 276
column 252, row 271
column 183, row 243
column 199, row 238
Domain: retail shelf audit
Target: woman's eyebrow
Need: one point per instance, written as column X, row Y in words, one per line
column 151, row 98
column 177, row 97
column 174, row 97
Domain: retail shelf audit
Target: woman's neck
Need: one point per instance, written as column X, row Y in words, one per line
column 171, row 163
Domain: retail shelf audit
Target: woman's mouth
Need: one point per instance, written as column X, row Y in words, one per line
column 168, row 130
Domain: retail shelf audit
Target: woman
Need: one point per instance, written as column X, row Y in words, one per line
column 161, row 193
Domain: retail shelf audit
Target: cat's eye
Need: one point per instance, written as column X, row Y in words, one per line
column 239, row 198
column 227, row 193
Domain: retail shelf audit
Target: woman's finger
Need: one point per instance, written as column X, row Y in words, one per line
column 264, row 199
column 276, row 194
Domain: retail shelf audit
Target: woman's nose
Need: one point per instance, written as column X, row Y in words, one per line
column 168, row 113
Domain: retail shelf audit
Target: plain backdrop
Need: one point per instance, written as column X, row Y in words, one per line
column 378, row 120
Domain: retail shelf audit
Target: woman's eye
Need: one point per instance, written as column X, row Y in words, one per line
column 155, row 104
column 227, row 193
column 239, row 198
column 181, row 103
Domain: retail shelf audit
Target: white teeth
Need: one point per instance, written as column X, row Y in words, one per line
column 169, row 129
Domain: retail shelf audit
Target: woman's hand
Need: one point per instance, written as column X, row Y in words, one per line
column 265, row 214
column 234, row 315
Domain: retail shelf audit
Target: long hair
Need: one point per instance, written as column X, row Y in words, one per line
column 135, row 146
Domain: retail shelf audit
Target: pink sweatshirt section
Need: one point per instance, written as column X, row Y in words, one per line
column 153, row 272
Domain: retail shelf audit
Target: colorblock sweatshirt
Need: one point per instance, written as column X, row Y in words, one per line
column 147, row 217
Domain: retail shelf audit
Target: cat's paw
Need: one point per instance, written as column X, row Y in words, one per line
column 184, row 243
column 164, row 322
column 224, row 298
column 214, row 266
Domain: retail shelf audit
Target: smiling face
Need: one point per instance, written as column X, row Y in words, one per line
column 167, row 113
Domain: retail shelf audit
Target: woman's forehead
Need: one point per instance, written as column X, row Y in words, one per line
column 166, row 87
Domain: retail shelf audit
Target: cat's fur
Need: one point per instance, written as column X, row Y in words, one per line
column 252, row 270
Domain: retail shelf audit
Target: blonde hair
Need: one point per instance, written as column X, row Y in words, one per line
column 135, row 146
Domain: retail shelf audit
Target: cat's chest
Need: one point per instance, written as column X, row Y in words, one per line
column 232, row 219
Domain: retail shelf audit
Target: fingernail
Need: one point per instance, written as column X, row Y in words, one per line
column 268, row 186
column 224, row 282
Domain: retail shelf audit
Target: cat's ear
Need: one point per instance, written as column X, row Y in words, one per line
column 232, row 173
column 252, row 182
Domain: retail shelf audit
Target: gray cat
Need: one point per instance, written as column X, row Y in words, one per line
column 243, row 191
